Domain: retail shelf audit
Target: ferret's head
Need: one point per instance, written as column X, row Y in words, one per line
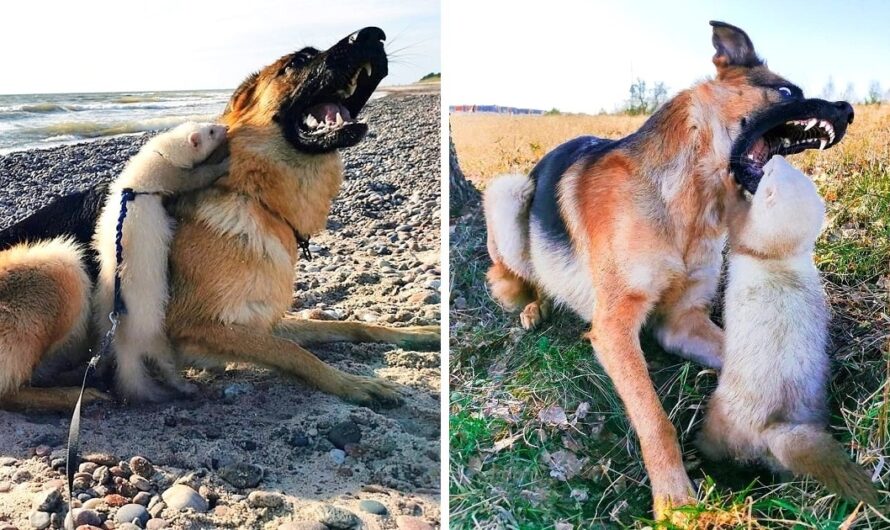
column 189, row 144
column 786, row 212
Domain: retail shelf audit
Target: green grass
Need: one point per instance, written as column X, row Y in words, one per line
column 503, row 377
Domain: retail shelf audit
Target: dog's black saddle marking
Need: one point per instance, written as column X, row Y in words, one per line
column 73, row 215
column 547, row 174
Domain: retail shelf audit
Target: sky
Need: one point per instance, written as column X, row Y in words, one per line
column 109, row 46
column 582, row 56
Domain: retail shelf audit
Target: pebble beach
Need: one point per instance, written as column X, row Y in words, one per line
column 256, row 449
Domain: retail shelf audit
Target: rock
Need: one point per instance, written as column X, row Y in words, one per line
column 337, row 518
column 338, row 456
column 157, row 509
column 130, row 513
column 181, row 497
column 235, row 390
column 39, row 520
column 343, row 433
column 143, row 498
column 141, row 466
column 406, row 522
column 8, row 461
column 126, row 489
column 141, row 483
column 87, row 517
column 372, row 506
column 298, row 439
column 22, row 475
column 94, row 504
column 102, row 475
column 88, row 527
column 47, row 500
column 88, row 467
column 156, row 524
column 115, row 500
column 265, row 499
column 126, row 526
column 102, row 459
column 118, row 471
column 242, row 475
column 5, row 486
column 42, row 450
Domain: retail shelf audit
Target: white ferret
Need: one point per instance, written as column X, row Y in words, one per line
column 169, row 163
column 770, row 402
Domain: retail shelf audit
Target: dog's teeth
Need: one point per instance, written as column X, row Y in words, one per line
column 831, row 135
column 367, row 68
column 311, row 121
column 786, row 142
column 811, row 124
column 339, row 120
column 751, row 156
column 822, row 143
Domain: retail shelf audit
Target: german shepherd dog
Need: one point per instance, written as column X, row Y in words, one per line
column 630, row 232
column 236, row 243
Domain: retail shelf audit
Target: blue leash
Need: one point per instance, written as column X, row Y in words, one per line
column 120, row 308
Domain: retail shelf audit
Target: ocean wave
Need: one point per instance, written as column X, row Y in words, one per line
column 75, row 130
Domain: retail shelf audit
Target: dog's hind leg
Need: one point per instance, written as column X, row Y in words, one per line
column 535, row 313
column 615, row 338
column 303, row 331
column 240, row 343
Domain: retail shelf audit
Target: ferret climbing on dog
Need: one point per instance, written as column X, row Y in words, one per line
column 170, row 163
column 770, row 402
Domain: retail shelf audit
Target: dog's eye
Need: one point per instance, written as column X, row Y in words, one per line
column 785, row 91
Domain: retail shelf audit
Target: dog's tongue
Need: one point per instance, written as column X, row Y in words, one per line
column 327, row 112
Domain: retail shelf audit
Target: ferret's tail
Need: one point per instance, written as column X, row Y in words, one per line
column 506, row 202
column 810, row 450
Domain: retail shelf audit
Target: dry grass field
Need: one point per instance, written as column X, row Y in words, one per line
column 538, row 436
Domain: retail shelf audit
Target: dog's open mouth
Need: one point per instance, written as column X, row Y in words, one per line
column 786, row 129
column 330, row 117
column 322, row 113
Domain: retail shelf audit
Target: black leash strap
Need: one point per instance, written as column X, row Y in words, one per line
column 120, row 308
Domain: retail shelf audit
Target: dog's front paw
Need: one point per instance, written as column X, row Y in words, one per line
column 371, row 392
column 667, row 497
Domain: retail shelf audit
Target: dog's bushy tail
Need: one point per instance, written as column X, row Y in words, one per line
column 506, row 201
column 809, row 450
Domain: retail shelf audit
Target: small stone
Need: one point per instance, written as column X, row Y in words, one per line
column 156, row 524
column 181, row 497
column 298, row 439
column 126, row 489
column 406, row 522
column 242, row 475
column 88, row 467
column 102, row 459
column 84, row 516
column 8, row 461
column 47, row 500
column 208, row 493
column 141, row 466
column 157, row 509
column 94, row 504
column 343, row 433
column 372, row 506
column 141, row 483
column 335, row 517
column 129, row 513
column 235, row 390
column 115, row 500
column 264, row 499
column 22, row 475
column 143, row 498
column 338, row 456
column 42, row 450
column 39, row 520
column 5, row 486
column 88, row 527
column 101, row 475
column 124, row 526
column 117, row 471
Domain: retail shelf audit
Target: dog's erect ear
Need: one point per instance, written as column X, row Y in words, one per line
column 733, row 46
column 195, row 139
column 243, row 95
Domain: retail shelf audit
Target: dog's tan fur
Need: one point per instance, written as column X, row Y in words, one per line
column 44, row 308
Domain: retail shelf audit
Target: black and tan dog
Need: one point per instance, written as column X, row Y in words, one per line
column 630, row 232
column 236, row 244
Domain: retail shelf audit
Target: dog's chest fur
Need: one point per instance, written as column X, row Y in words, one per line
column 233, row 257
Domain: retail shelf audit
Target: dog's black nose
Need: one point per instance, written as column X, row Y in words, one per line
column 368, row 35
column 845, row 108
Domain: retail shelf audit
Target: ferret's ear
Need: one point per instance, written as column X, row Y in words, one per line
column 195, row 139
